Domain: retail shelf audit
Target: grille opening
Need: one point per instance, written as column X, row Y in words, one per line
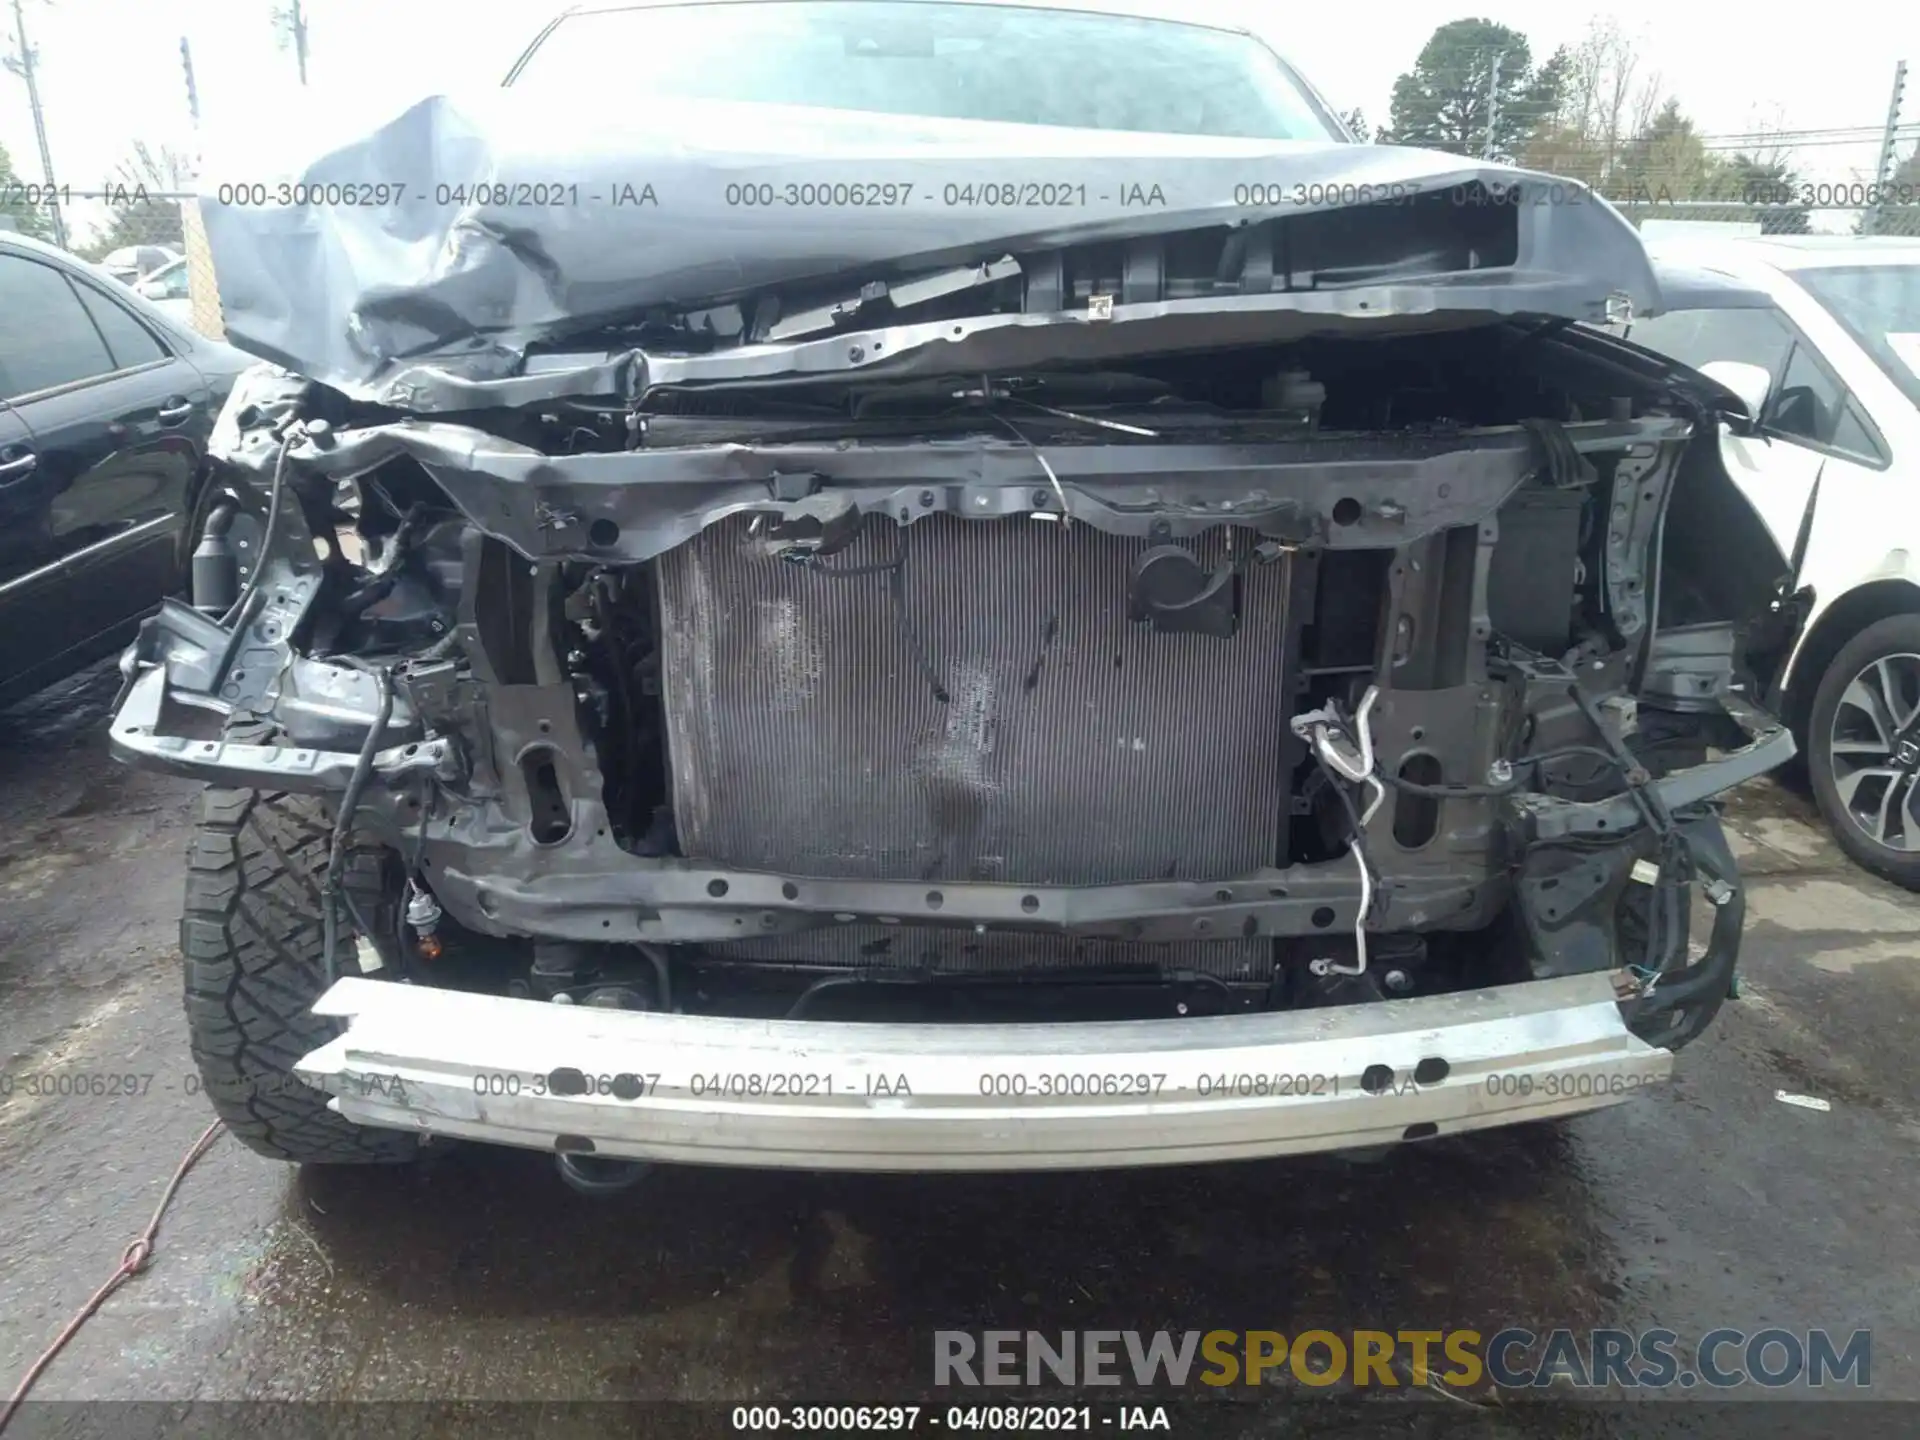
column 1416, row 818
column 550, row 817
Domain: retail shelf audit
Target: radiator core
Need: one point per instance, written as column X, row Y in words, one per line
column 808, row 734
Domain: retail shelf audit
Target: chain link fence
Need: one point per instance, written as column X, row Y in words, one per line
column 1904, row 221
column 1777, row 218
column 203, row 291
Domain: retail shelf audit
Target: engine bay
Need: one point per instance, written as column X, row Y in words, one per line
column 1244, row 679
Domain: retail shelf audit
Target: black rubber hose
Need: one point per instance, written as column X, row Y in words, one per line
column 1493, row 792
column 896, row 572
column 266, row 535
column 343, row 820
column 381, row 585
column 1665, row 919
column 1446, row 792
column 439, row 650
column 803, row 1002
column 662, row 973
column 1646, row 797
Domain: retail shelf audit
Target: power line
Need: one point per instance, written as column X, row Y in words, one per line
column 1750, row 146
column 1834, row 132
column 1811, row 131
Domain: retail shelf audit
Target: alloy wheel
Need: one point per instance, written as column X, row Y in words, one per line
column 1875, row 746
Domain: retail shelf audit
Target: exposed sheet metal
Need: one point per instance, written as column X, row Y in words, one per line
column 434, row 247
column 996, row 717
column 623, row 507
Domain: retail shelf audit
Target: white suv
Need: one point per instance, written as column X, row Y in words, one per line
column 1820, row 335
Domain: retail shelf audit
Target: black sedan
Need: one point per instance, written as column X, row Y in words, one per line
column 105, row 409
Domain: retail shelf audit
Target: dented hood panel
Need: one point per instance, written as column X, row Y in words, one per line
column 417, row 259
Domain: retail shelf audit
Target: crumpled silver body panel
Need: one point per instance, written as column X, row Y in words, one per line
column 407, row 299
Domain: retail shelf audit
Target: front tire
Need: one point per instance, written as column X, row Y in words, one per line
column 1863, row 748
column 252, row 937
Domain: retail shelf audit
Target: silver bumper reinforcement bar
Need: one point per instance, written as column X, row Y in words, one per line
column 846, row 1096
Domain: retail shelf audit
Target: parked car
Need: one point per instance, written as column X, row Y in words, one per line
column 106, row 406
column 1048, row 628
column 132, row 263
column 167, row 290
column 1821, row 338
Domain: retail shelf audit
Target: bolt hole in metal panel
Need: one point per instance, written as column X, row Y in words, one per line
column 1073, row 747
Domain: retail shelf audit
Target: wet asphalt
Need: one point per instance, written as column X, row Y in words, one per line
column 478, row 1276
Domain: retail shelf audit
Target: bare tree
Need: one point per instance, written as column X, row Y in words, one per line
column 162, row 171
column 1606, row 98
column 140, row 195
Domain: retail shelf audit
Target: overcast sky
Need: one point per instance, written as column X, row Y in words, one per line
column 110, row 69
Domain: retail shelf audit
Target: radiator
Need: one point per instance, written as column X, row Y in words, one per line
column 808, row 733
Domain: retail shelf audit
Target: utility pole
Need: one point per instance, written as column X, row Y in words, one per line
column 297, row 27
column 1493, row 104
column 22, row 64
column 1883, row 172
column 193, row 90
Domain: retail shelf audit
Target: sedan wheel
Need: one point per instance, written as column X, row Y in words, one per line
column 1864, row 739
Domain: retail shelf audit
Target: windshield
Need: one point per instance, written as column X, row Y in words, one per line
column 967, row 62
column 1879, row 305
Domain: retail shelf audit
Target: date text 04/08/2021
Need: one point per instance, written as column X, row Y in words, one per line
column 975, row 194
column 114, row 1085
column 991, row 1419
column 567, row 1081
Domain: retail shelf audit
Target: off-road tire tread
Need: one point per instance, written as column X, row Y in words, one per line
column 252, row 938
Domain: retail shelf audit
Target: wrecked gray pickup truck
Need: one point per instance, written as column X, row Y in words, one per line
column 1197, row 672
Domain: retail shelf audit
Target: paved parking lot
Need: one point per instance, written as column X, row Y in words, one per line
column 1709, row 1203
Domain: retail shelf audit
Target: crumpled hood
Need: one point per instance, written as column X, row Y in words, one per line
column 441, row 243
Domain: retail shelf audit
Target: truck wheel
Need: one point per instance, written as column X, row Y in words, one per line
column 1863, row 748
column 251, row 935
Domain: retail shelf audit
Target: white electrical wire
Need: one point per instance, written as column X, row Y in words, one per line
column 1355, row 762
